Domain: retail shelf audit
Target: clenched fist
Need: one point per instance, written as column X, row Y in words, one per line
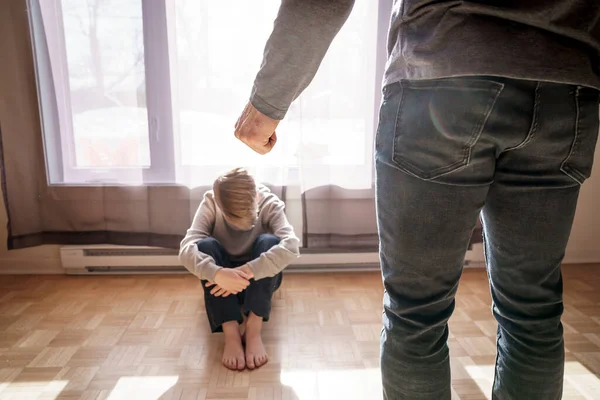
column 256, row 130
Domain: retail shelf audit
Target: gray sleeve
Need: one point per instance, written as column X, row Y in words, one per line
column 278, row 257
column 301, row 35
column 200, row 264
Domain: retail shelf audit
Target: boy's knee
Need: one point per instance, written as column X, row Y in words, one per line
column 265, row 242
column 210, row 246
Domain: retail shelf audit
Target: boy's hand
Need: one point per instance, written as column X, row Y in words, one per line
column 220, row 292
column 217, row 291
column 231, row 280
column 247, row 270
column 256, row 130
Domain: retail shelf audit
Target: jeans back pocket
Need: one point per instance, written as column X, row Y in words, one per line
column 438, row 123
column 578, row 165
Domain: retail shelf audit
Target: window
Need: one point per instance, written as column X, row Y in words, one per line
column 147, row 92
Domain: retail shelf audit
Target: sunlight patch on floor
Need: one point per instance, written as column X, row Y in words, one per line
column 582, row 379
column 50, row 390
column 334, row 384
column 482, row 375
column 578, row 380
column 142, row 387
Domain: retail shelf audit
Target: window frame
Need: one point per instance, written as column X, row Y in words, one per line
column 163, row 134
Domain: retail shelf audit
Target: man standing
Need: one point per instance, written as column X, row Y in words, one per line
column 489, row 107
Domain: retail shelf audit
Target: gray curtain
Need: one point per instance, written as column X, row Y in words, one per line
column 333, row 218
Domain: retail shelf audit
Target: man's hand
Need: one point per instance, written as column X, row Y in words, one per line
column 230, row 280
column 256, row 130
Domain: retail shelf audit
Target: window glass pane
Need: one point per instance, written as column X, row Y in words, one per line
column 105, row 64
column 211, row 82
column 201, row 65
column 218, row 53
column 334, row 115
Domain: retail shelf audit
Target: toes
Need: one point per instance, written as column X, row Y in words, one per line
column 261, row 360
column 229, row 363
column 234, row 363
column 250, row 362
column 241, row 363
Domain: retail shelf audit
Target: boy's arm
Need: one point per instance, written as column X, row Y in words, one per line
column 302, row 34
column 200, row 264
column 278, row 257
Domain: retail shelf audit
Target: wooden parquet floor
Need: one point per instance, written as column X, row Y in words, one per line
column 147, row 337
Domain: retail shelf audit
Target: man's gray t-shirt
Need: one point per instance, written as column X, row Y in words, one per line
column 541, row 40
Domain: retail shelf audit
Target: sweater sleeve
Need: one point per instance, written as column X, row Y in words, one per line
column 302, row 34
column 271, row 262
column 200, row 264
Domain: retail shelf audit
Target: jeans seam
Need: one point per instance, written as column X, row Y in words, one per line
column 400, row 107
column 486, row 253
column 396, row 165
column 534, row 123
column 483, row 122
column 575, row 175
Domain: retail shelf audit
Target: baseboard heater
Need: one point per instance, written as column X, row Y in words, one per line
column 114, row 260
column 126, row 260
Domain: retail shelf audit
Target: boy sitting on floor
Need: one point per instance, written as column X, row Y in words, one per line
column 238, row 244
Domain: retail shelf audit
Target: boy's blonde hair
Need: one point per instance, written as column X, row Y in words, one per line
column 235, row 194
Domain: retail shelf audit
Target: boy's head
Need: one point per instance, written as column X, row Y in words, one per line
column 236, row 196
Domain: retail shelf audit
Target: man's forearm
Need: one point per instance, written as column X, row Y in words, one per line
column 302, row 33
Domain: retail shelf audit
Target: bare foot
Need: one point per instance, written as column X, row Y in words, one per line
column 233, row 354
column 256, row 355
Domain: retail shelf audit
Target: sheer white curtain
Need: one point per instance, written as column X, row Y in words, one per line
column 148, row 92
column 326, row 137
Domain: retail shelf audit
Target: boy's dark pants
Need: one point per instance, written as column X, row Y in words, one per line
column 256, row 298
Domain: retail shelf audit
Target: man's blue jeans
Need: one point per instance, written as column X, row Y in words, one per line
column 448, row 150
